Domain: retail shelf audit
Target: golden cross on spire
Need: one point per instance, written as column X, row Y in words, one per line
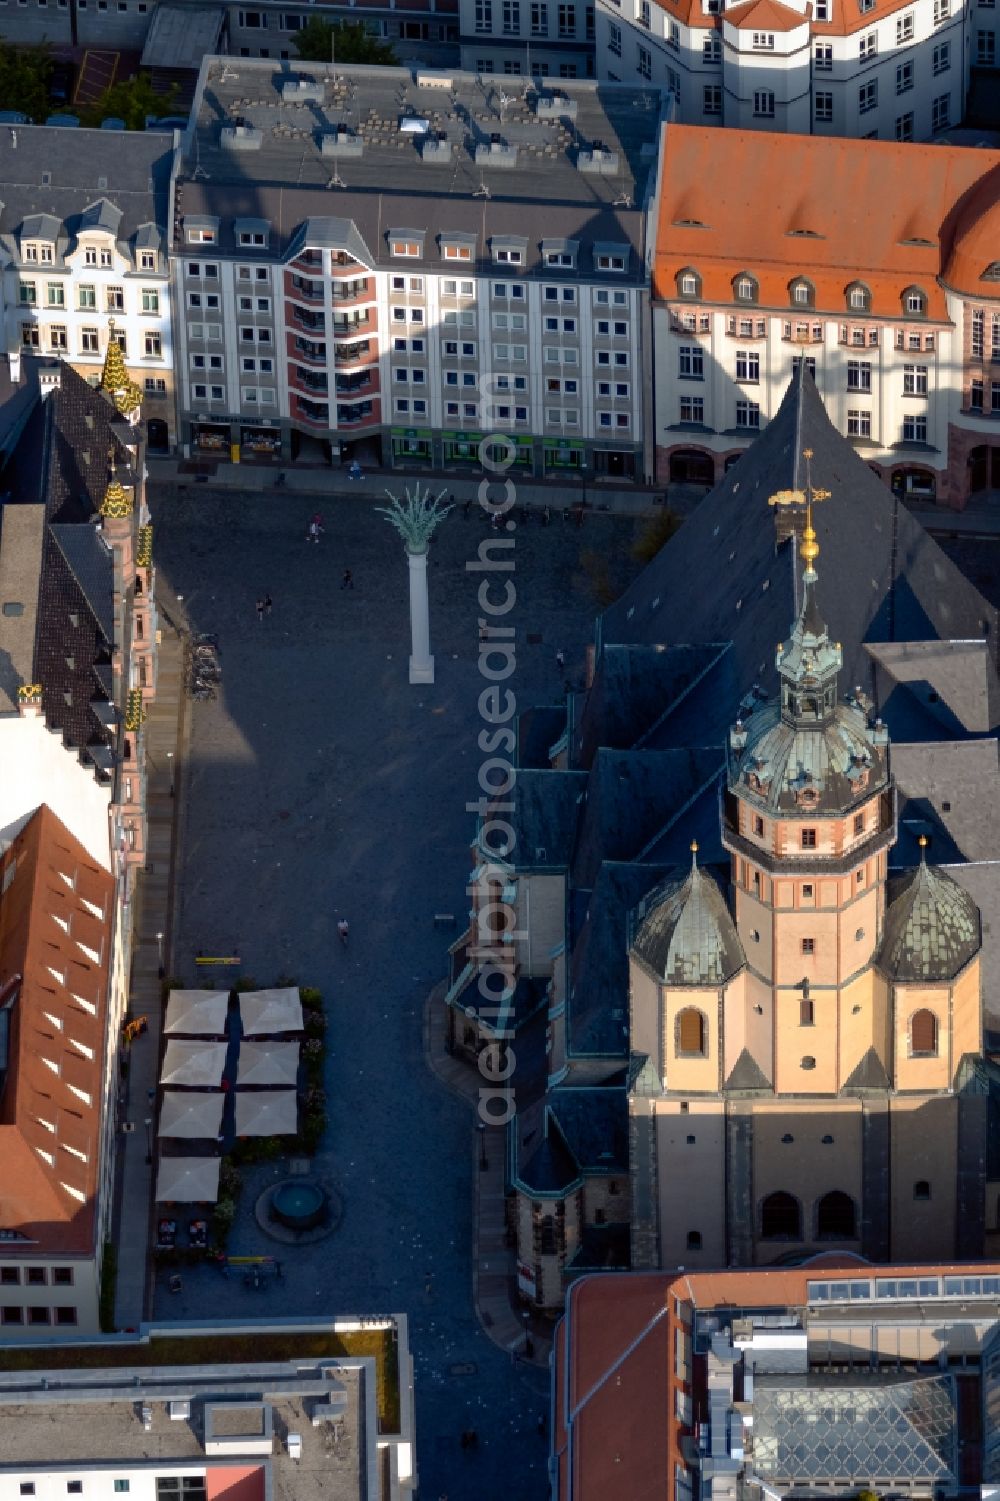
column 808, row 497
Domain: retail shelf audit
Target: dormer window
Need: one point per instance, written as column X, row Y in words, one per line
column 915, row 301
column 992, row 272
column 406, row 248
column 251, row 234
column 611, row 260
column 200, row 235
column 90, row 255
column 461, row 248
column 689, row 284
column 859, row 298
column 745, row 288
column 147, row 260
column 803, row 293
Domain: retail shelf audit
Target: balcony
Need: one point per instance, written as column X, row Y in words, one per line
column 361, row 352
column 746, row 328
column 302, row 289
column 307, row 349
column 341, row 261
column 314, row 323
column 314, row 413
column 308, row 262
column 346, row 328
column 357, row 290
column 311, row 382
column 362, row 383
column 359, row 414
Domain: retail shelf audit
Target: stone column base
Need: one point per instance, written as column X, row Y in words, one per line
column 422, row 670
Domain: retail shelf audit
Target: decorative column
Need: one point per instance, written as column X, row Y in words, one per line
column 416, row 522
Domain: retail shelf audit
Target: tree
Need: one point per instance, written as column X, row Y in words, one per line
column 24, row 80
column 316, row 40
column 130, row 100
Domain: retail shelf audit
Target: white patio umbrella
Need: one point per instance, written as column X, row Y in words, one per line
column 268, row 1112
column 188, row 1180
column 195, row 1064
column 268, row 1063
column 196, row 1012
column 271, row 1011
column 186, row 1113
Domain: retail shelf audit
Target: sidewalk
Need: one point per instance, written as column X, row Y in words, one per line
column 335, row 483
column 166, row 730
column 493, row 1260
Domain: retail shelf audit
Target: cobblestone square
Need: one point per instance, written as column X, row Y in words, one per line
column 322, row 785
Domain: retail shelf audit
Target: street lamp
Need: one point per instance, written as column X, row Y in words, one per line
column 529, row 1348
column 148, row 1123
column 481, row 1128
column 170, row 768
column 159, row 950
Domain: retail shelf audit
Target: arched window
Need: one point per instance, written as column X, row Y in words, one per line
column 859, row 298
column 921, row 1189
column 914, row 301
column 689, row 283
column 780, row 1218
column 835, row 1217
column 694, row 1240
column 923, row 1035
column 691, row 1034
column 992, row 272
column 745, row 288
column 803, row 293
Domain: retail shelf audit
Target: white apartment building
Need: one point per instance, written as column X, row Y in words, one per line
column 897, row 318
column 433, row 263
column 530, row 38
column 96, row 256
column 877, row 69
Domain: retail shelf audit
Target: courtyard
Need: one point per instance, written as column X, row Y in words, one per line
column 321, row 785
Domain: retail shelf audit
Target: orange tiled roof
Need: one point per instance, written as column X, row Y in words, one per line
column 55, row 932
column 846, row 16
column 829, row 209
column 975, row 243
column 764, row 15
column 689, row 13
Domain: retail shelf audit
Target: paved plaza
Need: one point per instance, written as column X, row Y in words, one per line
column 321, row 785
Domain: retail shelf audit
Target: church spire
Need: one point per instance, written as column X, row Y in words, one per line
column 808, row 663
column 115, row 379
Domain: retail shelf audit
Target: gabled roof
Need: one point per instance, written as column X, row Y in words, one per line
column 102, row 214
column 598, row 980
column 91, row 564
column 41, row 227
column 882, row 577
column 55, row 931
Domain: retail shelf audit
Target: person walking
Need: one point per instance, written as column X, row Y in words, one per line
column 260, row 609
column 342, row 930
column 560, row 660
column 312, row 535
column 347, row 582
column 268, row 603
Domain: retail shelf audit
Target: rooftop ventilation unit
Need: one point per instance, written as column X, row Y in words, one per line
column 555, row 106
column 599, row 159
column 341, row 143
column 498, row 153
column 413, row 125
column 294, row 1442
column 179, row 1411
column 301, row 91
column 434, row 80
column 240, row 137
column 147, row 1418
column 436, row 150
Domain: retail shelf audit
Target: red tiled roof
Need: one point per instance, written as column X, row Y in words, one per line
column 829, row 209
column 616, row 1432
column 764, row 15
column 52, row 1095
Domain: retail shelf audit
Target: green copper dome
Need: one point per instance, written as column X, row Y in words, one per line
column 684, row 935
column 932, row 928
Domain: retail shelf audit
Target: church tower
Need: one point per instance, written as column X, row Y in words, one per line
column 804, row 1052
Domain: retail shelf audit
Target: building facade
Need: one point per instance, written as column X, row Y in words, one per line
column 401, row 327
column 901, row 336
column 529, row 38
column 92, row 267
column 878, row 71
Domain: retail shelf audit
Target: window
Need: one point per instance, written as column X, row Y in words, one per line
column 88, row 297
column 404, row 248
column 922, row 1189
column 88, row 341
column 763, row 104
column 201, row 236
column 976, row 396
column 824, row 56
column 859, row 425
column 539, row 19
column 868, row 97
column 780, row 1217
column 914, row 380
column 56, row 294
column 808, row 839
column 859, row 299
column 914, row 429
column 567, row 20
column 868, row 46
column 694, row 1240
column 690, row 362
column 978, row 325
column 692, row 409
column 121, row 1486
column 986, row 48
column 153, row 347
column 835, row 1219
column 763, row 41
column 27, row 295
column 747, row 414
column 823, row 111
column 644, row 62
column 747, row 366
column 57, row 337
column 712, row 99
column 711, row 48
column 904, row 78
column 745, row 289
column 27, row 1488
column 808, row 945
column 614, row 39
column 904, row 28
column 904, row 126
column 859, row 375
column 923, row 1034
column 940, row 112
column 690, row 1034
column 37, row 1276
column 802, row 294
column 147, row 260
column 74, row 1487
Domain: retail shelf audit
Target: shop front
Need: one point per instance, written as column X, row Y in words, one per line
column 211, row 437
column 461, row 448
column 260, row 442
column 412, row 445
column 614, row 463
column 562, row 454
column 508, row 452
